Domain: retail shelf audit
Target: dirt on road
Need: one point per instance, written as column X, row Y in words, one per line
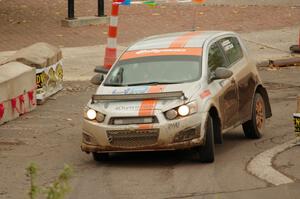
column 51, row 135
column 24, row 22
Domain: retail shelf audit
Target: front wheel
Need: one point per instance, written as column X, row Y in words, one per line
column 206, row 153
column 254, row 127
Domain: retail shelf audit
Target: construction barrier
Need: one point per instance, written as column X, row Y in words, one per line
column 47, row 60
column 18, row 90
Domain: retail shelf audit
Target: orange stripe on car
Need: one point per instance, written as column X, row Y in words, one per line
column 161, row 52
column 182, row 40
column 148, row 106
column 145, row 126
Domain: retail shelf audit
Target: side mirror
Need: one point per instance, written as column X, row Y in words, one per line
column 97, row 79
column 101, row 69
column 222, row 73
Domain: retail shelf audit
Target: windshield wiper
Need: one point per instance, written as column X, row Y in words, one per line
column 152, row 83
column 142, row 83
column 115, row 85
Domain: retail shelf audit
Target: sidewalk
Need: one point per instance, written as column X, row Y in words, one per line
column 288, row 163
column 271, row 44
column 288, row 191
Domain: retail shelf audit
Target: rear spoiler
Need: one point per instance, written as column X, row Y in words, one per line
column 142, row 96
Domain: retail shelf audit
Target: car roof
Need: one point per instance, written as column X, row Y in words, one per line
column 194, row 39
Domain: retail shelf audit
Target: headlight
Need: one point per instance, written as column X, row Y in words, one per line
column 183, row 110
column 171, row 114
column 91, row 114
column 100, row 117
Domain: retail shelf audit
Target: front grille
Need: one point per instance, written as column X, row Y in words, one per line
column 131, row 139
column 132, row 120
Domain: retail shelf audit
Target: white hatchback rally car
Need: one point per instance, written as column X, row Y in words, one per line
column 176, row 91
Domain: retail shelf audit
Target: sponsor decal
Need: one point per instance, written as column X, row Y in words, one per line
column 127, row 108
column 227, row 45
column 41, row 79
column 131, row 90
column 205, row 94
column 59, row 71
column 157, row 51
column 133, row 108
column 297, row 123
column 49, row 80
column 162, row 52
column 226, row 48
column 174, row 125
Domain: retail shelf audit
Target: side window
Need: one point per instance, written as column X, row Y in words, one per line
column 232, row 49
column 216, row 57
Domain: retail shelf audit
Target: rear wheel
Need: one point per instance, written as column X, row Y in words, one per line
column 254, row 127
column 295, row 48
column 100, row 157
column 206, row 153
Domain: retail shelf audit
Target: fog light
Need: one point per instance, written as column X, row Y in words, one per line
column 183, row 110
column 187, row 135
column 171, row 114
column 91, row 114
column 100, row 117
column 88, row 139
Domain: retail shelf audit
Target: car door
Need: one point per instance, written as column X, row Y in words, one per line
column 228, row 97
column 243, row 76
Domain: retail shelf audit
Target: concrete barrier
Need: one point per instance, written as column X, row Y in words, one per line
column 17, row 90
column 47, row 60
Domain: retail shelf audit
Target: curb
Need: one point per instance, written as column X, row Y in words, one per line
column 261, row 165
column 292, row 61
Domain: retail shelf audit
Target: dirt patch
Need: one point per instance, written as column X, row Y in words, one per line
column 53, row 131
column 25, row 22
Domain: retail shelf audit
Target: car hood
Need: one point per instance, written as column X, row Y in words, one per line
column 188, row 89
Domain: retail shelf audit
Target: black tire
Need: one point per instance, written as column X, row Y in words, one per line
column 254, row 128
column 206, row 153
column 100, row 157
column 295, row 48
column 218, row 136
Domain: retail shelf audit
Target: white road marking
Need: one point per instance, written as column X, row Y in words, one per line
column 261, row 165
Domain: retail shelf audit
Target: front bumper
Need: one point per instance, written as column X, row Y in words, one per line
column 181, row 133
column 167, row 147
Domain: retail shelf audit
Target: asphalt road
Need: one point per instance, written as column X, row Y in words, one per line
column 51, row 135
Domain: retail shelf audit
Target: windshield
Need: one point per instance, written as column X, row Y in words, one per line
column 155, row 70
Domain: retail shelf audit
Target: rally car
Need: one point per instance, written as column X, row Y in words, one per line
column 176, row 91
